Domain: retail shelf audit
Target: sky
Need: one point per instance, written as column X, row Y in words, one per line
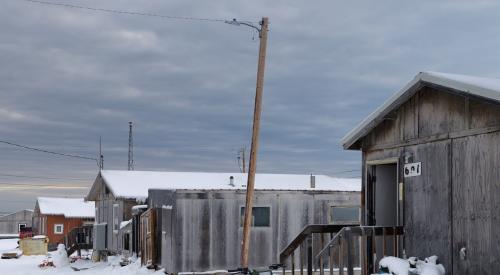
column 69, row 76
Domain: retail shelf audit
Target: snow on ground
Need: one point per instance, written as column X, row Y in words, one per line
column 8, row 245
column 412, row 265
column 28, row 265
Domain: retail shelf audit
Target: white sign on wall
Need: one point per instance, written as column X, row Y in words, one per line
column 412, row 169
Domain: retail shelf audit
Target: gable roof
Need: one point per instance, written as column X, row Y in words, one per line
column 135, row 184
column 68, row 207
column 478, row 86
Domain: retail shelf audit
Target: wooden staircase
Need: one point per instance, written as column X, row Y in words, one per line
column 79, row 238
column 348, row 247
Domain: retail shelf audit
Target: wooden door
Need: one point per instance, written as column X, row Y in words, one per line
column 476, row 214
column 427, row 207
column 148, row 238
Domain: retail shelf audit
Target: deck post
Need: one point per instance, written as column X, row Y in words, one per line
column 330, row 260
column 384, row 242
column 364, row 263
column 301, row 258
column 348, row 239
column 293, row 263
column 309, row 256
column 374, row 250
column 341, row 256
column 395, row 244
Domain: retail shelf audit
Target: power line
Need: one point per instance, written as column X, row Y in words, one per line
column 46, row 151
column 346, row 171
column 45, row 178
column 129, row 12
column 42, row 185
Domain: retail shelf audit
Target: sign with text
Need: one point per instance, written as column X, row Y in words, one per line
column 412, row 169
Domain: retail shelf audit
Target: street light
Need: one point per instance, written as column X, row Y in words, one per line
column 255, row 136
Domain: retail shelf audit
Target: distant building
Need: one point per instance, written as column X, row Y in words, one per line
column 56, row 217
column 12, row 223
column 193, row 220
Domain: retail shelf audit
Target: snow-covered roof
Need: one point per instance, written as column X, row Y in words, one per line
column 478, row 86
column 135, row 184
column 68, row 207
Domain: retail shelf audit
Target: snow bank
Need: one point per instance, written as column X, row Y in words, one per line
column 395, row 265
column 399, row 266
column 8, row 245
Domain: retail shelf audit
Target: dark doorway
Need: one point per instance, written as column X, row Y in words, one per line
column 382, row 205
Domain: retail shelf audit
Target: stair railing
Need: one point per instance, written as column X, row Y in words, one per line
column 304, row 243
column 369, row 238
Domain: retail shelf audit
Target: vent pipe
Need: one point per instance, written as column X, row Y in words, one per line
column 313, row 181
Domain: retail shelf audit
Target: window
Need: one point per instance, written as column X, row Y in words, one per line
column 21, row 226
column 116, row 220
column 126, row 241
column 344, row 214
column 58, row 228
column 261, row 216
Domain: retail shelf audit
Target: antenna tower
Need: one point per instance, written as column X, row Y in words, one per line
column 130, row 148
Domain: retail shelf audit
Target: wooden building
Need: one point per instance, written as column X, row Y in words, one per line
column 430, row 158
column 56, row 217
column 14, row 222
column 193, row 219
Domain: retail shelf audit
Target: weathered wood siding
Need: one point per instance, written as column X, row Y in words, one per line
column 9, row 224
column 427, row 207
column 104, row 214
column 476, row 194
column 453, row 203
column 207, row 232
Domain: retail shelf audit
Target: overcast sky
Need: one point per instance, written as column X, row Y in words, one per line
column 68, row 76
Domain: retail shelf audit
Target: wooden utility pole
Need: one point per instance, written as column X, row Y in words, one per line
column 245, row 245
column 243, row 158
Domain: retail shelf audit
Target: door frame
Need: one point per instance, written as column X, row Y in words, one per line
column 369, row 190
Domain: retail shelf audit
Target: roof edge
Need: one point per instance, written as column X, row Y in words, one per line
column 439, row 79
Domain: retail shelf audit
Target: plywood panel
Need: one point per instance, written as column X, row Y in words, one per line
column 483, row 114
column 476, row 189
column 440, row 112
column 427, row 211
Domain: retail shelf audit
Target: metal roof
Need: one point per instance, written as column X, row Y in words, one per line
column 478, row 86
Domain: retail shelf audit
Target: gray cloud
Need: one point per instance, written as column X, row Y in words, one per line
column 69, row 76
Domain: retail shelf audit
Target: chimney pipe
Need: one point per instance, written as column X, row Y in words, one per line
column 313, row 181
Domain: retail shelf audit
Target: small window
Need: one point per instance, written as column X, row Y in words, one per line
column 261, row 216
column 344, row 214
column 126, row 241
column 58, row 228
column 21, row 226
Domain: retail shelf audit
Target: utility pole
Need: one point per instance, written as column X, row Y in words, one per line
column 130, row 148
column 101, row 157
column 243, row 159
column 245, row 245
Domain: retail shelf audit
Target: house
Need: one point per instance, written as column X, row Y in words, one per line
column 430, row 162
column 14, row 222
column 193, row 220
column 56, row 217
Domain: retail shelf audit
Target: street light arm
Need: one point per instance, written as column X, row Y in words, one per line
column 237, row 23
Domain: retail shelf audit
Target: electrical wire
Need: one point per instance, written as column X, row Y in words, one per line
column 128, row 12
column 45, row 178
column 47, row 151
column 346, row 171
